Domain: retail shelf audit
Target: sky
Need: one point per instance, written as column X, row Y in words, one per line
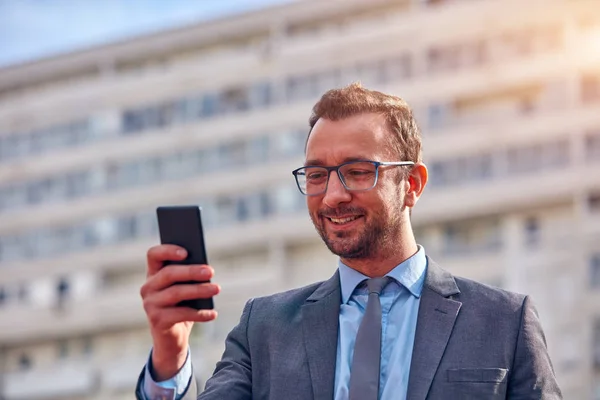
column 31, row 29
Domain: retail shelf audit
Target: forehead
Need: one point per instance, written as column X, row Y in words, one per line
column 359, row 136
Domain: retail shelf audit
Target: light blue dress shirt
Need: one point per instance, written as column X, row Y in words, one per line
column 170, row 389
column 399, row 306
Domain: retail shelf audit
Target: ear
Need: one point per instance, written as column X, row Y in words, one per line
column 416, row 180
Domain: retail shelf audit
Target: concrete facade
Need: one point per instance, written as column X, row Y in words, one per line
column 216, row 114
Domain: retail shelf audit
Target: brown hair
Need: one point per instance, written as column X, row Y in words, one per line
column 353, row 99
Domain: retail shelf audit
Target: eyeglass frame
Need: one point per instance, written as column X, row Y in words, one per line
column 336, row 168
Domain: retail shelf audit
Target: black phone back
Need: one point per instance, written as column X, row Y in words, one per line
column 182, row 226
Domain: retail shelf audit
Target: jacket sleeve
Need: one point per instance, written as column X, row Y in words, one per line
column 232, row 378
column 532, row 375
column 176, row 387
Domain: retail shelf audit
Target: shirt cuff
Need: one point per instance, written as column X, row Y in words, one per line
column 171, row 389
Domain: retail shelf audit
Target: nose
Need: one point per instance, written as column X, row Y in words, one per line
column 336, row 192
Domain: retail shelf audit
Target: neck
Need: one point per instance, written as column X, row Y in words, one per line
column 381, row 264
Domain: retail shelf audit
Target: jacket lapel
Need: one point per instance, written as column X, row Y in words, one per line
column 437, row 314
column 320, row 324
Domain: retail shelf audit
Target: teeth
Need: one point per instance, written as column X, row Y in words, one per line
column 342, row 220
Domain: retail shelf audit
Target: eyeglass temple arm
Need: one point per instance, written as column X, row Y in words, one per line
column 396, row 163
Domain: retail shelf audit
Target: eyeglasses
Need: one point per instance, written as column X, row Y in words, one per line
column 356, row 176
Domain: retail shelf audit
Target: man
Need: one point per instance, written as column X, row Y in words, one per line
column 390, row 323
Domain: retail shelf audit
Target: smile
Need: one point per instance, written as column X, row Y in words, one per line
column 345, row 220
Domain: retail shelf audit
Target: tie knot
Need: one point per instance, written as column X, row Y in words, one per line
column 376, row 285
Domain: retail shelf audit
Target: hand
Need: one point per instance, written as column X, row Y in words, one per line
column 171, row 325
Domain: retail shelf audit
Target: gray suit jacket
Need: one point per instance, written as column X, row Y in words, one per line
column 472, row 342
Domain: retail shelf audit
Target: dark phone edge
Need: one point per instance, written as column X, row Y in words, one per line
column 197, row 304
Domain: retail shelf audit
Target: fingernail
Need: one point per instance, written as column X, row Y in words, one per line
column 181, row 253
column 204, row 273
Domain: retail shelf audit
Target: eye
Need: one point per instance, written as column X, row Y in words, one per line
column 358, row 172
column 315, row 175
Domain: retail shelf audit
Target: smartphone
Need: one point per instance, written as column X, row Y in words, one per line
column 182, row 226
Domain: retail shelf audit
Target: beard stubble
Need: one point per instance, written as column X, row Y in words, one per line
column 375, row 235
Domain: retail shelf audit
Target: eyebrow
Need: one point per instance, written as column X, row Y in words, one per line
column 319, row 163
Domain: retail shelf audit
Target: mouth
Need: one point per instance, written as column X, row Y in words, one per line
column 345, row 221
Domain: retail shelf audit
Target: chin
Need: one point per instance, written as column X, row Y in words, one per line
column 343, row 248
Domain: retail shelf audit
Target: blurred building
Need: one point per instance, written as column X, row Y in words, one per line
column 508, row 98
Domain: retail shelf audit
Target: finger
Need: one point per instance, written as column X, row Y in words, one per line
column 176, row 293
column 165, row 318
column 174, row 274
column 157, row 255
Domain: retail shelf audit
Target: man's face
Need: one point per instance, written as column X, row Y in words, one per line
column 359, row 225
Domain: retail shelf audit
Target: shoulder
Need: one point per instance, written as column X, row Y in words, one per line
column 292, row 295
column 488, row 298
column 477, row 300
column 469, row 292
column 288, row 301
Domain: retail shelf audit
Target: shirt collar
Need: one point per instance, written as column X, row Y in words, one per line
column 410, row 274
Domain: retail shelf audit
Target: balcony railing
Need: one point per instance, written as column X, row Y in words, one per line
column 122, row 308
column 59, row 382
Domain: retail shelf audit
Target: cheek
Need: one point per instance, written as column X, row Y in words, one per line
column 312, row 204
column 393, row 197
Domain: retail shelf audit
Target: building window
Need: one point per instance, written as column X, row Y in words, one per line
column 437, row 115
column 590, row 89
column 532, row 232
column 87, row 346
column 477, row 167
column 61, row 136
column 466, row 237
column 287, row 199
column 596, row 345
column 210, row 105
column 288, row 143
column 234, row 100
column 327, row 80
column 538, row 157
column 127, row 227
column 233, row 154
column 265, row 204
column 227, row 210
column 370, row 73
column 595, row 271
column 569, row 360
column 243, row 212
column 105, row 230
column 396, row 69
column 24, row 362
column 63, row 349
column 165, row 114
column 556, row 154
column 191, row 108
column 592, row 146
column 258, row 149
column 302, row 87
column 462, row 170
column 593, row 202
column 524, row 159
column 261, row 95
column 23, row 293
column 131, row 122
column 175, row 166
column 62, row 292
